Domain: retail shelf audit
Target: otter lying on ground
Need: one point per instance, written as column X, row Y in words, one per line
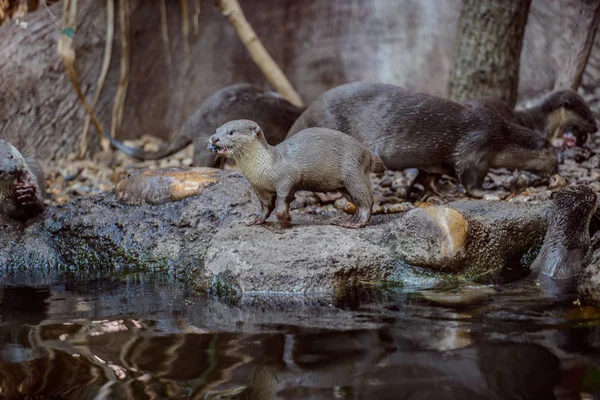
column 316, row 159
column 269, row 109
column 561, row 115
column 21, row 193
column 416, row 130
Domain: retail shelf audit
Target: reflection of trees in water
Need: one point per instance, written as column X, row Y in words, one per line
column 420, row 353
column 124, row 362
column 124, row 358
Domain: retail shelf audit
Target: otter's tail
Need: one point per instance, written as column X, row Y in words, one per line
column 179, row 142
column 377, row 164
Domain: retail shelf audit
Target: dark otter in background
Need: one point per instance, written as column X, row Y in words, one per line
column 243, row 100
column 21, row 180
column 560, row 115
column 415, row 130
column 316, row 159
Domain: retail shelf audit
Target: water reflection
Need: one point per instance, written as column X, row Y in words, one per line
column 153, row 340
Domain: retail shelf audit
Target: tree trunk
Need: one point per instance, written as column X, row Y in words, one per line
column 570, row 73
column 488, row 50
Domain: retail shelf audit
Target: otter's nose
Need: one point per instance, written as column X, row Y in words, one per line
column 214, row 139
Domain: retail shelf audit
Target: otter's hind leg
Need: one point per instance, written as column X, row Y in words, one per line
column 267, row 203
column 358, row 188
column 472, row 177
column 285, row 195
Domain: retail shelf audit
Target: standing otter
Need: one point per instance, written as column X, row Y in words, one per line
column 416, row 130
column 242, row 100
column 315, row 159
column 21, row 195
column 563, row 114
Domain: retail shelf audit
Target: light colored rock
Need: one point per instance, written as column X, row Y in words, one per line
column 433, row 237
column 159, row 186
column 305, row 258
column 465, row 295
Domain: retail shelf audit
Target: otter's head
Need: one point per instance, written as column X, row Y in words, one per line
column 578, row 199
column 11, row 162
column 231, row 138
column 569, row 119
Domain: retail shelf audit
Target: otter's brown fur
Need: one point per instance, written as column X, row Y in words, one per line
column 415, row 130
column 560, row 113
column 21, row 193
column 243, row 100
column 316, row 159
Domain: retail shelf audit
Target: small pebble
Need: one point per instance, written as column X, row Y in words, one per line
column 491, row 197
column 557, row 181
column 386, row 182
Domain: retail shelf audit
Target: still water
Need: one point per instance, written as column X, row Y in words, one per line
column 144, row 339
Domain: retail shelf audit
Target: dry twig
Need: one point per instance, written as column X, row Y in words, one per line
column 196, row 16
column 117, row 115
column 110, row 30
column 185, row 28
column 164, row 30
column 67, row 55
column 232, row 10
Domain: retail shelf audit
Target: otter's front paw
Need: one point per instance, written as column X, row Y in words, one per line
column 476, row 193
column 284, row 221
column 254, row 221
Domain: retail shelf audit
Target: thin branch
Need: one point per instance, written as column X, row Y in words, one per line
column 67, row 55
column 196, row 16
column 185, row 28
column 110, row 30
column 232, row 10
column 117, row 115
column 164, row 30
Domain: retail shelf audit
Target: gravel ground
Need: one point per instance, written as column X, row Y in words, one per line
column 71, row 177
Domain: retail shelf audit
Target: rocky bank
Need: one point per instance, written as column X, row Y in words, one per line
column 201, row 240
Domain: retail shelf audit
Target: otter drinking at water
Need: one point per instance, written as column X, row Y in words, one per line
column 21, row 195
column 316, row 159
column 567, row 242
column 563, row 116
column 416, row 130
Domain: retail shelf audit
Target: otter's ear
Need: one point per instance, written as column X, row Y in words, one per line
column 566, row 103
column 255, row 130
column 552, row 195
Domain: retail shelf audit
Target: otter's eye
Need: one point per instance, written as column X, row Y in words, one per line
column 229, row 133
column 10, row 156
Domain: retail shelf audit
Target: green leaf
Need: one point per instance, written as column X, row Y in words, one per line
column 70, row 32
